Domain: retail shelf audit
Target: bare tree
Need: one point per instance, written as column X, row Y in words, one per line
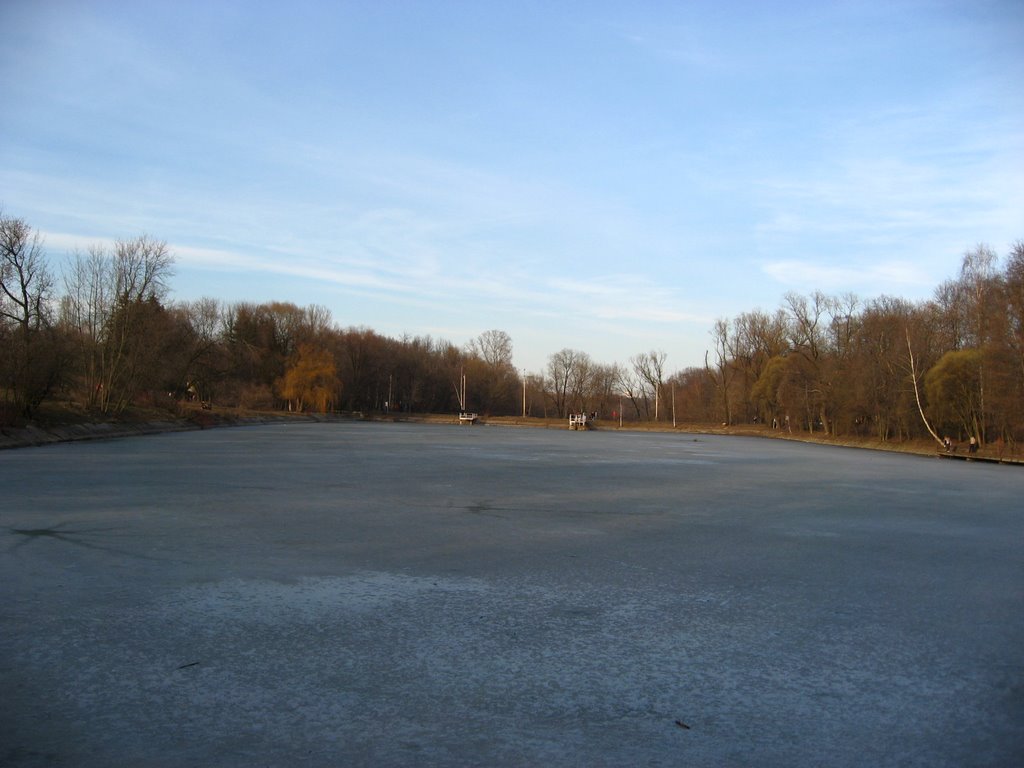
column 25, row 282
column 807, row 334
column 917, row 393
column 836, row 370
column 85, row 311
column 206, row 363
column 317, row 319
column 649, row 368
column 633, row 387
column 809, row 340
column 489, row 364
column 722, row 373
column 581, row 384
column 494, row 347
column 565, row 374
column 694, row 394
column 28, row 362
column 979, row 280
column 604, row 388
column 877, row 374
column 535, row 389
column 1014, row 280
column 110, row 303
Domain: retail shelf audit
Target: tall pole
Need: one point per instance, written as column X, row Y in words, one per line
column 620, row 411
column 524, row 393
column 673, row 405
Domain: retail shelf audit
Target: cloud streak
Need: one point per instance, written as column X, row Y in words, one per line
column 811, row 275
column 620, row 177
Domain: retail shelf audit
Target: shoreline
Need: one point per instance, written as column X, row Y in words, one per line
column 33, row 436
column 37, row 435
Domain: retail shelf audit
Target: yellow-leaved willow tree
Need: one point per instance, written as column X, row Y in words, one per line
column 310, row 380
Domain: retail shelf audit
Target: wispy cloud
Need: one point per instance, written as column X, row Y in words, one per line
column 810, row 275
column 898, row 198
column 680, row 45
column 480, row 287
column 621, row 297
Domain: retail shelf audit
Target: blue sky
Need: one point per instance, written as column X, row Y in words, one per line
column 610, row 177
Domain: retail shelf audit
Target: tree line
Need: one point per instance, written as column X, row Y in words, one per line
column 889, row 368
column 105, row 335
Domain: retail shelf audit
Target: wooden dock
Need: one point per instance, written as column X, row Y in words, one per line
column 976, row 457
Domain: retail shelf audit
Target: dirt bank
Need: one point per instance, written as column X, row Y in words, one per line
column 70, row 425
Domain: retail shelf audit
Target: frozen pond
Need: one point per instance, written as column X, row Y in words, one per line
column 399, row 594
